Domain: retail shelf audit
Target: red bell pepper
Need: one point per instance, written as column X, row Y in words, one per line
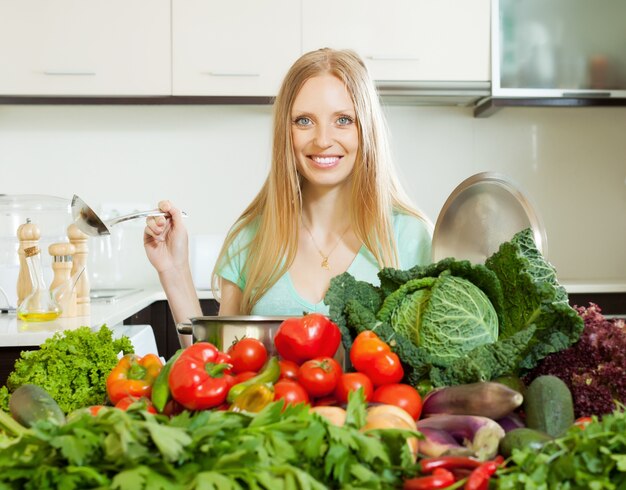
column 373, row 357
column 133, row 376
column 303, row 338
column 200, row 378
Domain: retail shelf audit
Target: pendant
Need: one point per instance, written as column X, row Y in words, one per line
column 325, row 263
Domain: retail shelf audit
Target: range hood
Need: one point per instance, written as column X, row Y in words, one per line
column 433, row 93
column 557, row 53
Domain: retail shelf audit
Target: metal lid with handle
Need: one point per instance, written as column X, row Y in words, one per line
column 484, row 211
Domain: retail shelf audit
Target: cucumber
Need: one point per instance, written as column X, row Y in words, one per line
column 31, row 403
column 522, row 438
column 549, row 406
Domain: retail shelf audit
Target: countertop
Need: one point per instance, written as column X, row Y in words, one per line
column 16, row 333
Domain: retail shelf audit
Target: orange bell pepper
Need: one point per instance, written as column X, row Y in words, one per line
column 133, row 376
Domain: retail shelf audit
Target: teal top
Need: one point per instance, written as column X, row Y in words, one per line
column 413, row 238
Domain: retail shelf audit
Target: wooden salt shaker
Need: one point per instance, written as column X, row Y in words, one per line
column 28, row 235
column 79, row 240
column 62, row 262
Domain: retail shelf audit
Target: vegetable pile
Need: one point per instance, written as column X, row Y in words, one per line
column 454, row 322
column 72, row 366
column 594, row 368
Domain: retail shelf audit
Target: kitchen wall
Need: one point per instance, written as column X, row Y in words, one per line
column 211, row 160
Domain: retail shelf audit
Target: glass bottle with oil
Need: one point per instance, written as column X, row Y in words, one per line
column 40, row 305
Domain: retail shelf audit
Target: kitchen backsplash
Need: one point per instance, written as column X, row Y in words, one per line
column 211, row 160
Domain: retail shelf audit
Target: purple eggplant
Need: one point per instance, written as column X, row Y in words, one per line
column 510, row 422
column 481, row 435
column 485, row 399
column 439, row 443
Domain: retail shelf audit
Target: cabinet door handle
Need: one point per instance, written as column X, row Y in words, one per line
column 227, row 74
column 69, row 73
column 391, row 58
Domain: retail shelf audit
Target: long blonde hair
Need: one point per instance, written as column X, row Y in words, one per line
column 276, row 210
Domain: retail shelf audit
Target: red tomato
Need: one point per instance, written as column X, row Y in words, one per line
column 288, row 369
column 400, row 395
column 127, row 401
column 352, row 382
column 582, row 422
column 241, row 377
column 290, row 391
column 247, row 354
column 319, row 376
column 307, row 337
column 385, row 369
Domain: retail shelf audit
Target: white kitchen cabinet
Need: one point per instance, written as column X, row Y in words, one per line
column 238, row 47
column 85, row 47
column 409, row 40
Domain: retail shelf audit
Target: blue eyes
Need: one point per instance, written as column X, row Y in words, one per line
column 303, row 121
column 306, row 121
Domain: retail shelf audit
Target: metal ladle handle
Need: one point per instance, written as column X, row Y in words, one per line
column 141, row 214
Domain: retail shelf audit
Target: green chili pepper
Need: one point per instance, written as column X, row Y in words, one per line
column 269, row 373
column 161, row 393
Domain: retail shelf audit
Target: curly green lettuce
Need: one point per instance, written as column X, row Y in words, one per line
column 72, row 366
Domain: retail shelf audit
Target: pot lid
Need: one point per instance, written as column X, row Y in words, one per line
column 484, row 211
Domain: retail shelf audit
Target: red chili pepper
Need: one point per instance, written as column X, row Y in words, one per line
column 441, row 478
column 199, row 378
column 479, row 478
column 427, row 465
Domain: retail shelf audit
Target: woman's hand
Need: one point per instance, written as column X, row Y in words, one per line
column 165, row 240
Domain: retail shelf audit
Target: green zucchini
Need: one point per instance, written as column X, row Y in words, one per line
column 31, row 403
column 549, row 406
column 522, row 438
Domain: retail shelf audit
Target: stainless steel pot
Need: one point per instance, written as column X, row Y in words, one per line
column 223, row 331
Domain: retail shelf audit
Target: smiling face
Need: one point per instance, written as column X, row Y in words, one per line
column 324, row 131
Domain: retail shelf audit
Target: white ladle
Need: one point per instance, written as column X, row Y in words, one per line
column 90, row 223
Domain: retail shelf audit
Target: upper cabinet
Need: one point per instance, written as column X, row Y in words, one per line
column 85, row 47
column 405, row 40
column 238, row 47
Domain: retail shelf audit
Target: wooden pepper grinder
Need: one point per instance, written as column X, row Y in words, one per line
column 28, row 235
column 62, row 261
column 79, row 240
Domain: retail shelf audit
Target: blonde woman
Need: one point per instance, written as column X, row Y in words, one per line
column 330, row 204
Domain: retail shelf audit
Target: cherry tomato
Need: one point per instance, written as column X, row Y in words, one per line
column 352, row 382
column 94, row 409
column 247, row 354
column 127, row 401
column 400, row 395
column 290, row 391
column 288, row 369
column 319, row 376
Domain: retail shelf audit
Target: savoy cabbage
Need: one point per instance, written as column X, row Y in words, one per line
column 447, row 316
column 529, row 316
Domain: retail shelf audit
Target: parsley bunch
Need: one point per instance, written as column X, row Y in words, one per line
column 593, row 458
column 274, row 449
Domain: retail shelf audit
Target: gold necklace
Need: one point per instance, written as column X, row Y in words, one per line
column 324, row 263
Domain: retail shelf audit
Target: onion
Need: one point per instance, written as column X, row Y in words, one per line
column 335, row 415
column 383, row 420
column 392, row 410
